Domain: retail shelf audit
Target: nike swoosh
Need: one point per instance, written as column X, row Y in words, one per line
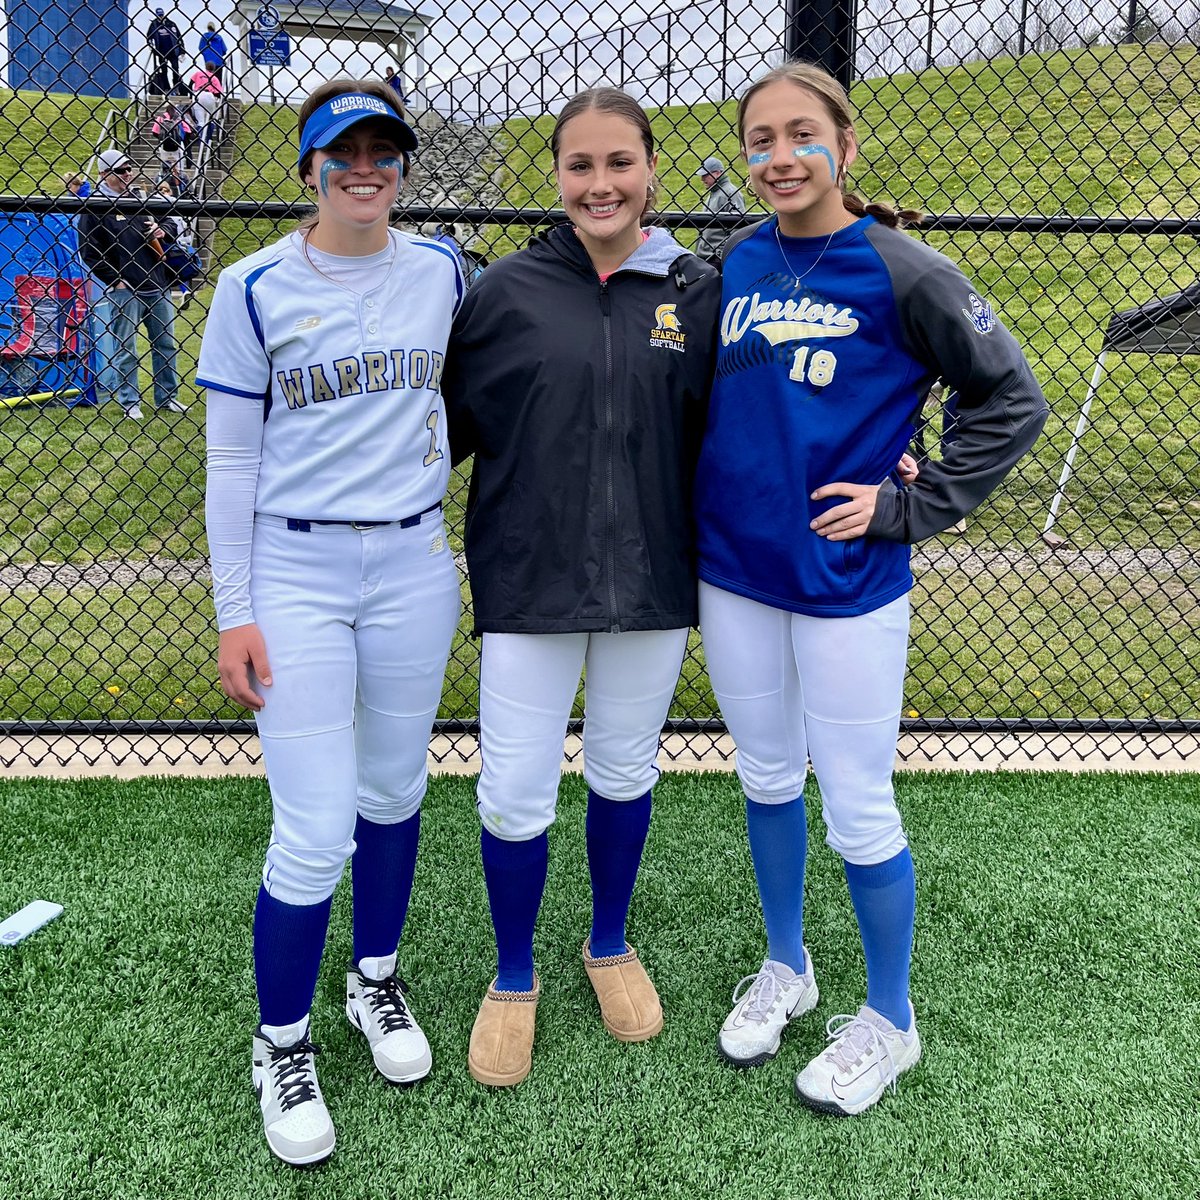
column 792, row 1011
column 258, row 1089
column 842, row 1091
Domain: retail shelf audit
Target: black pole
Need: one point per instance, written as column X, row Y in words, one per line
column 1131, row 24
column 1021, row 34
column 822, row 31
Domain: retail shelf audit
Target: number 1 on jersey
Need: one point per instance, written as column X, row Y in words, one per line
column 431, row 423
column 820, row 367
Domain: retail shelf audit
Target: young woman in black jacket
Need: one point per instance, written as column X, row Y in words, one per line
column 577, row 375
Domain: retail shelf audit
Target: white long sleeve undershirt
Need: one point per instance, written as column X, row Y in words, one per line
column 235, row 434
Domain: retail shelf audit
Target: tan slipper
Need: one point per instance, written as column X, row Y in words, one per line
column 628, row 1002
column 501, row 1051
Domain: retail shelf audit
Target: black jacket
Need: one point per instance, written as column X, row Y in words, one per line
column 115, row 246
column 584, row 405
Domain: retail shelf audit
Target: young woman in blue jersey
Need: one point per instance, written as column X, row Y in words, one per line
column 834, row 324
column 337, row 596
column 578, row 377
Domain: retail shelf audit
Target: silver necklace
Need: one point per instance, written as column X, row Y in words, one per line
column 338, row 283
column 783, row 252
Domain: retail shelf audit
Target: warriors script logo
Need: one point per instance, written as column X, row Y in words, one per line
column 784, row 320
column 667, row 333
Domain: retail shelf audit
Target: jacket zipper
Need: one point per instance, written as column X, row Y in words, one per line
column 610, row 548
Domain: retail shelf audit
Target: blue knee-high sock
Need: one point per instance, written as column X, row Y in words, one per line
column 616, row 835
column 515, row 873
column 381, row 875
column 885, row 900
column 779, row 846
column 288, row 941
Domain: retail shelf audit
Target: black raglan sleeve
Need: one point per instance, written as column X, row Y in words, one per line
column 950, row 325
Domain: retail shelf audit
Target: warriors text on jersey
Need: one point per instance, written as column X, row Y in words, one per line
column 819, row 381
column 354, row 425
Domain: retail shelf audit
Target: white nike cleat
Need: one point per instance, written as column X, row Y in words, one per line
column 376, row 1006
column 295, row 1118
column 775, row 996
column 866, row 1055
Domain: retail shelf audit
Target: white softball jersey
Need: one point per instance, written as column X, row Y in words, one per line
column 354, row 428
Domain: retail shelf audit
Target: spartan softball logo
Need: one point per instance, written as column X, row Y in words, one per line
column 667, row 333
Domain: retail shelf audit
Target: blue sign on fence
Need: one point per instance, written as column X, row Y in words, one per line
column 272, row 51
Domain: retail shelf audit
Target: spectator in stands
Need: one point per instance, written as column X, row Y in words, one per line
column 721, row 196
column 166, row 44
column 77, row 184
column 395, row 81
column 213, row 51
column 207, row 89
column 173, row 226
column 175, row 136
column 123, row 250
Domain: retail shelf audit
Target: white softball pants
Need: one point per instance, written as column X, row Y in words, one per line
column 793, row 687
column 527, row 687
column 357, row 625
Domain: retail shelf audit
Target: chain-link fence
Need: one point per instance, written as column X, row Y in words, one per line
column 1054, row 145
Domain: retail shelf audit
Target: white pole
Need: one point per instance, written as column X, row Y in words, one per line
column 1080, row 426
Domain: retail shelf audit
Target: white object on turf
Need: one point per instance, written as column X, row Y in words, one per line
column 375, row 1005
column 866, row 1055
column 295, row 1118
column 773, row 997
column 27, row 920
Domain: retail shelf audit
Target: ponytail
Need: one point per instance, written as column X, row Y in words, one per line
column 885, row 214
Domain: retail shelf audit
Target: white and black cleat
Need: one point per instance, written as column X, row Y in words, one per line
column 295, row 1118
column 377, row 1006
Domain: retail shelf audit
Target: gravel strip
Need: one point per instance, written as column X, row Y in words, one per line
column 1175, row 563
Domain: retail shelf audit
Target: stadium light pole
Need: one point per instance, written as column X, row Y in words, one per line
column 822, row 31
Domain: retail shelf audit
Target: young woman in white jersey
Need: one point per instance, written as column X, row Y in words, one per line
column 337, row 596
column 834, row 325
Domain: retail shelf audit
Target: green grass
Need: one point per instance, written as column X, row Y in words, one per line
column 45, row 135
column 1036, row 641
column 1054, row 980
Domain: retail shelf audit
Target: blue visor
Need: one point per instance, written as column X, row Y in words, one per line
column 335, row 116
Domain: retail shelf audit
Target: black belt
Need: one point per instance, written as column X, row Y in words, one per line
column 298, row 526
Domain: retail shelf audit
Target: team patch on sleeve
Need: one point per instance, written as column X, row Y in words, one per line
column 980, row 314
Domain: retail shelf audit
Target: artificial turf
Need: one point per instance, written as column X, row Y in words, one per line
column 1055, row 981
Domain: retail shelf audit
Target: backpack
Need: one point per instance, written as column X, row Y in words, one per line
column 183, row 263
column 473, row 265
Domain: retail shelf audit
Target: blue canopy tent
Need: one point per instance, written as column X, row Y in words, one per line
column 47, row 351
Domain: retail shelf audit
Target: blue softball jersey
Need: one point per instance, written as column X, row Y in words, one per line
column 827, row 348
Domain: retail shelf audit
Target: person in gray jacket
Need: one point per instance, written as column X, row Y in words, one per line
column 722, row 196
